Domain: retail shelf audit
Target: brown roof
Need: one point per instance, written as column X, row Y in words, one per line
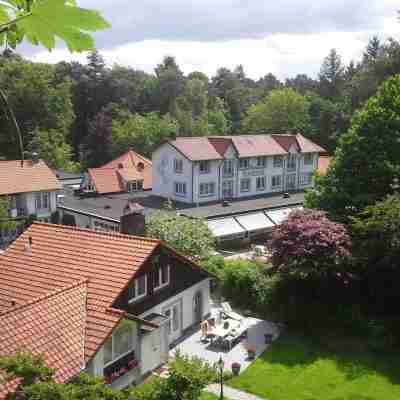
column 323, row 164
column 62, row 256
column 111, row 177
column 196, row 148
column 29, row 177
column 52, row 325
column 214, row 147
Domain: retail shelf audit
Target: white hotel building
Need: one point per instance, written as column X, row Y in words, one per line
column 204, row 169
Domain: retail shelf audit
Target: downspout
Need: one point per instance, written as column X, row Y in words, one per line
column 193, row 182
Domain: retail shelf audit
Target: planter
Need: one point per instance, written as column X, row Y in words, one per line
column 251, row 355
column 236, row 368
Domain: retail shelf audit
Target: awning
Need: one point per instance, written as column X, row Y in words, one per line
column 225, row 227
column 255, row 222
column 278, row 216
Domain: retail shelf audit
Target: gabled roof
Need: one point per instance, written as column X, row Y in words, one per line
column 215, row 147
column 111, row 177
column 196, row 148
column 52, row 325
column 17, row 177
column 61, row 256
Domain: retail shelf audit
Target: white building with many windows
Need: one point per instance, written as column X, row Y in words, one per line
column 204, row 169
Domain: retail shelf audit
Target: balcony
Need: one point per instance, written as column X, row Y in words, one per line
column 120, row 367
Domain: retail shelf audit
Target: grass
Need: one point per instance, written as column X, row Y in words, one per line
column 293, row 368
column 208, row 396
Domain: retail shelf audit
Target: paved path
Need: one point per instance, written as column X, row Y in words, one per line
column 231, row 393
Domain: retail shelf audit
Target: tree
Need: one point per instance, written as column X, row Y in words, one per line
column 190, row 236
column 5, row 221
column 309, row 244
column 302, row 84
column 282, row 109
column 97, row 148
column 41, row 21
column 143, row 133
column 366, row 160
column 331, row 76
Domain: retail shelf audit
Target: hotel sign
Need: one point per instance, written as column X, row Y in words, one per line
column 254, row 172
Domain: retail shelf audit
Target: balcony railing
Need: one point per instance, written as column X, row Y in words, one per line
column 120, row 367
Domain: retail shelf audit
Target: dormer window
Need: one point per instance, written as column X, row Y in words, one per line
column 135, row 186
column 161, row 277
column 138, row 289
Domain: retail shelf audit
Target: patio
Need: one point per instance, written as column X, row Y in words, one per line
column 192, row 345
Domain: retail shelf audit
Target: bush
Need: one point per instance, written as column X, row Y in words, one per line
column 68, row 219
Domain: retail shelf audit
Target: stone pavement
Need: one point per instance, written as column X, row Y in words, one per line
column 231, row 393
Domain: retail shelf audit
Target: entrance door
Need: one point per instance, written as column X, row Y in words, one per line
column 291, row 182
column 227, row 189
column 173, row 313
column 198, row 307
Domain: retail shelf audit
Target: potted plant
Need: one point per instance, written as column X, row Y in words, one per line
column 251, row 352
column 235, row 368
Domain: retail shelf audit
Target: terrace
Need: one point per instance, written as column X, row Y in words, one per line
column 253, row 329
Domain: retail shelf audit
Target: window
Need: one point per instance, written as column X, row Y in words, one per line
column 276, row 181
column 180, row 189
column 138, row 288
column 207, row 189
column 309, row 159
column 204, row 167
column 278, row 161
column 261, row 183
column 103, row 226
column 119, row 343
column 244, row 163
column 291, row 163
column 306, row 179
column 161, row 277
column 245, row 185
column 178, row 166
column 135, row 186
column 42, row 200
column 228, row 168
column 261, row 162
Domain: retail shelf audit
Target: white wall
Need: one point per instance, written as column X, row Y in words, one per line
column 211, row 177
column 30, row 204
column 164, row 176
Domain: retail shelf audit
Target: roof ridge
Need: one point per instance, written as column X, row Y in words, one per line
column 45, row 296
column 140, row 156
column 98, row 232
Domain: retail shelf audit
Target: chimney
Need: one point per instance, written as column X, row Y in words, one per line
column 133, row 221
column 28, row 246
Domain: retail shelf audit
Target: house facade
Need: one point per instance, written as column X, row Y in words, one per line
column 205, row 169
column 131, row 297
column 31, row 189
column 130, row 173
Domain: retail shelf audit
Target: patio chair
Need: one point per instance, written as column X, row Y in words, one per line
column 227, row 310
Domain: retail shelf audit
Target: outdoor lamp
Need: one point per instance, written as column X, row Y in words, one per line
column 221, row 371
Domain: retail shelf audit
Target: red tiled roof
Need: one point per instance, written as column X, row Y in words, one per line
column 323, row 164
column 62, row 256
column 214, row 147
column 196, row 148
column 107, row 178
column 52, row 325
column 31, row 177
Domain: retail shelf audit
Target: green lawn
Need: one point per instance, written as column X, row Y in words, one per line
column 295, row 369
column 208, row 396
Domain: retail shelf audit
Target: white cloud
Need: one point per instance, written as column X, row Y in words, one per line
column 260, row 35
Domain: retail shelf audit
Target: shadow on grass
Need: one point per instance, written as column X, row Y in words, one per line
column 352, row 360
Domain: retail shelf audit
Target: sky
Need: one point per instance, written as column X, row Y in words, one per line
column 283, row 37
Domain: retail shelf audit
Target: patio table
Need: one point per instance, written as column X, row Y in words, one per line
column 234, row 331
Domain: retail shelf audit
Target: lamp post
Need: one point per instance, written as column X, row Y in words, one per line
column 221, row 376
column 395, row 185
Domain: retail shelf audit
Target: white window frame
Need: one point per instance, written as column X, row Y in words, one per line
column 261, row 162
column 178, row 166
column 291, row 166
column 263, row 179
column 245, row 161
column 135, row 186
column 42, row 200
column 204, row 167
column 308, row 159
column 113, row 360
column 178, row 186
column 208, row 189
column 227, row 171
column 162, row 285
column 272, row 181
column 136, row 284
column 278, row 162
column 249, row 185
